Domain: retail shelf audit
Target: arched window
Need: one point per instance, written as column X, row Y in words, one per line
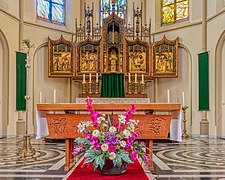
column 174, row 10
column 51, row 10
column 106, row 8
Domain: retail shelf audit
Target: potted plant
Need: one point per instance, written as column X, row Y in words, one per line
column 110, row 143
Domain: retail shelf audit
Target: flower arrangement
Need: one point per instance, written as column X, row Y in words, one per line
column 110, row 139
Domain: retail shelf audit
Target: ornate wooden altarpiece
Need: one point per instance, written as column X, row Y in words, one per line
column 60, row 58
column 165, row 58
column 113, row 47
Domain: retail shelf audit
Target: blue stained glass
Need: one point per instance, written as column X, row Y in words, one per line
column 43, row 9
column 106, row 8
column 52, row 10
column 58, row 1
column 57, row 13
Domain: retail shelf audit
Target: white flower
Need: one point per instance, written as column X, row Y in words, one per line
column 126, row 133
column 104, row 147
column 131, row 127
column 134, row 121
column 88, row 123
column 112, row 129
column 100, row 119
column 81, row 127
column 95, row 133
column 122, row 119
column 112, row 155
column 123, row 143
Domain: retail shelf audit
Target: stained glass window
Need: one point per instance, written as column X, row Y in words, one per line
column 51, row 10
column 174, row 10
column 106, row 8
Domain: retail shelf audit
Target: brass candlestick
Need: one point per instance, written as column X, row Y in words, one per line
column 97, row 88
column 90, row 87
column 184, row 134
column 142, row 87
column 26, row 150
column 135, row 87
column 84, row 87
column 129, row 87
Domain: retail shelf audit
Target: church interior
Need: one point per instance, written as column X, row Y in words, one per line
column 163, row 56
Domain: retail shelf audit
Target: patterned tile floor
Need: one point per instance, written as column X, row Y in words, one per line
column 193, row 159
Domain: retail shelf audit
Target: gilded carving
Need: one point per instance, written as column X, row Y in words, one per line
column 88, row 57
column 165, row 58
column 61, row 62
column 137, row 57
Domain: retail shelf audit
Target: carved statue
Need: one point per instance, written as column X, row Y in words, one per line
column 113, row 60
column 138, row 61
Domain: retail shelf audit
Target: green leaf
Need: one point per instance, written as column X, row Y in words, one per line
column 80, row 140
column 125, row 156
column 100, row 160
column 89, row 159
column 92, row 153
column 117, row 161
column 109, row 121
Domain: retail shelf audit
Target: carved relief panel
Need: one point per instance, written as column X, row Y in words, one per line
column 165, row 58
column 87, row 57
column 137, row 57
column 60, row 58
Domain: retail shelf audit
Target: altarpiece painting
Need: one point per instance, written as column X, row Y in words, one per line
column 87, row 57
column 60, row 58
column 137, row 57
column 165, row 59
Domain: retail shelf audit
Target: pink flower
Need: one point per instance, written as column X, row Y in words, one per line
column 129, row 113
column 133, row 155
column 112, row 148
column 121, row 127
column 89, row 101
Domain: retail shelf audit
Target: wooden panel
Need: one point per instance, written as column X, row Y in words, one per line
column 65, row 125
column 108, row 107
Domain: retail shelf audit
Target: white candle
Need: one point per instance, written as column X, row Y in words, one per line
column 135, row 78
column 129, row 80
column 142, row 78
column 54, row 96
column 168, row 95
column 90, row 77
column 40, row 97
column 183, row 98
column 96, row 77
column 83, row 78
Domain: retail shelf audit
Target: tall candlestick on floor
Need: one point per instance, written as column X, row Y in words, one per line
column 183, row 97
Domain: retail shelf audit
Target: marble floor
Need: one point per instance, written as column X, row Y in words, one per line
column 196, row 158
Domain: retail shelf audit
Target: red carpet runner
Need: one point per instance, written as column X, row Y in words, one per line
column 134, row 171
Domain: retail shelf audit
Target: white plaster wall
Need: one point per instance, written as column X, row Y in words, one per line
column 195, row 10
column 9, row 28
column 10, row 6
column 1, row 89
column 222, row 121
